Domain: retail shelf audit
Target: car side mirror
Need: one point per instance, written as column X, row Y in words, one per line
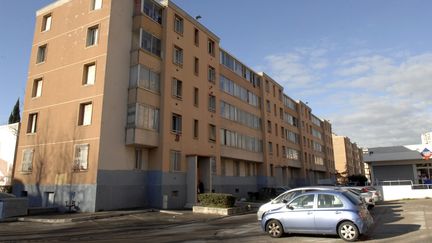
column 290, row 207
column 284, row 201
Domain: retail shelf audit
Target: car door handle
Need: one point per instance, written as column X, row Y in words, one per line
column 338, row 212
column 309, row 212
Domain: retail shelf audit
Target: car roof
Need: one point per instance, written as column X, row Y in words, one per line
column 315, row 187
column 323, row 191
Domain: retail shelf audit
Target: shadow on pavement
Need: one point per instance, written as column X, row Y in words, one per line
column 385, row 217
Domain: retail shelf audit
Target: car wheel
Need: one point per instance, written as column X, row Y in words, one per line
column 274, row 228
column 348, row 231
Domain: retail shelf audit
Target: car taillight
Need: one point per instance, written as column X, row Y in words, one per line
column 364, row 189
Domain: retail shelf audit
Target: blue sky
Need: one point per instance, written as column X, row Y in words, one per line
column 364, row 65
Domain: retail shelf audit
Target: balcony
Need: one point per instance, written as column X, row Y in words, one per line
column 235, row 153
column 142, row 137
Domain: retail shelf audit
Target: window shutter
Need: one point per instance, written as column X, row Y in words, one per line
column 91, row 74
column 87, row 114
column 48, row 23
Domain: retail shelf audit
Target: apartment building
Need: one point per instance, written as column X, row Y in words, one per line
column 348, row 156
column 132, row 103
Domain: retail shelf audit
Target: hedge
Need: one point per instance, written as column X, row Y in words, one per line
column 218, row 200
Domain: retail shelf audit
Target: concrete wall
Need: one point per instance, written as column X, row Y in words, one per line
column 403, row 192
column 239, row 186
column 121, row 189
column 84, row 195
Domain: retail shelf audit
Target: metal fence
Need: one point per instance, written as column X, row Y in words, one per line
column 405, row 183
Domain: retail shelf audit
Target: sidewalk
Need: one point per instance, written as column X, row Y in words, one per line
column 58, row 217
column 55, row 218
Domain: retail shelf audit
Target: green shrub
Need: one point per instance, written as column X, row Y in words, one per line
column 218, row 200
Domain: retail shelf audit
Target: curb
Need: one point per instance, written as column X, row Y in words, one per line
column 79, row 219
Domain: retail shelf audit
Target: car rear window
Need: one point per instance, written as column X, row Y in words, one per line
column 354, row 199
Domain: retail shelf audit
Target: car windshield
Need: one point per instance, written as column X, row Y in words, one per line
column 354, row 199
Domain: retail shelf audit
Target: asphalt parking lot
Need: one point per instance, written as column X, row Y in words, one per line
column 397, row 221
column 402, row 221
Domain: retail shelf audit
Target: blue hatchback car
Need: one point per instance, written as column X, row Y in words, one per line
column 320, row 212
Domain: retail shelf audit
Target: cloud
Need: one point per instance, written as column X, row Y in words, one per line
column 377, row 98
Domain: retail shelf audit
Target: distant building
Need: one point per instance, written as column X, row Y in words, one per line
column 426, row 138
column 348, row 157
column 129, row 103
column 406, row 162
column 8, row 140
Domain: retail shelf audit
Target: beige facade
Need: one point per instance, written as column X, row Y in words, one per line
column 131, row 103
column 348, row 157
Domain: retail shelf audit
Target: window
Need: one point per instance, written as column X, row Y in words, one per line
column 270, row 147
column 46, row 22
column 81, row 157
column 196, row 37
column 302, row 202
column 177, row 88
column 233, row 113
column 92, row 35
column 195, row 129
column 269, row 126
column 37, row 88
column 143, row 116
column 176, row 125
column 236, row 168
column 196, row 96
column 238, row 91
column 41, row 54
column 85, row 114
column 153, row 10
column 329, row 201
column 211, row 74
column 196, row 66
column 267, row 86
column 268, row 106
column 211, row 47
column 175, row 159
column 277, row 150
column 292, row 154
column 32, row 123
column 139, row 165
column 178, row 24
column 141, row 76
column 240, row 141
column 241, row 70
column 178, row 56
column 89, row 74
column 151, row 43
column 212, row 133
column 96, row 4
column 27, row 160
column 212, row 103
column 223, row 167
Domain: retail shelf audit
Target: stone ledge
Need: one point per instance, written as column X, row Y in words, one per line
column 220, row 211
